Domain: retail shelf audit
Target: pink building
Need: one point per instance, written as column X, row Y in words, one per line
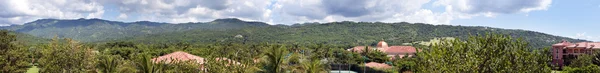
column 565, row 51
column 391, row 51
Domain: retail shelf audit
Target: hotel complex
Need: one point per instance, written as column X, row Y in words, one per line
column 564, row 52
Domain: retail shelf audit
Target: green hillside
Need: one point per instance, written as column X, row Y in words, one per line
column 90, row 30
column 345, row 33
column 27, row 39
column 226, row 30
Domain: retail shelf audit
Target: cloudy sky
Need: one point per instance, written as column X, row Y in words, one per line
column 578, row 19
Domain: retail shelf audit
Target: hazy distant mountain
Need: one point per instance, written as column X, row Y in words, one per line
column 90, row 30
column 345, row 33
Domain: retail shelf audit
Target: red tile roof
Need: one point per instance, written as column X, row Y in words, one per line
column 178, row 56
column 392, row 50
column 563, row 43
column 378, row 65
column 594, row 45
column 400, row 50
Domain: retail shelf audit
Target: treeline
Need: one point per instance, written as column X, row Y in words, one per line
column 479, row 54
column 586, row 63
column 339, row 33
column 346, row 33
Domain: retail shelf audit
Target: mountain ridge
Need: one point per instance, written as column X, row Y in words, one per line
column 344, row 32
column 99, row 30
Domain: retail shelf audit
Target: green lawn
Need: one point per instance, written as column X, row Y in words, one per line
column 554, row 71
column 33, row 69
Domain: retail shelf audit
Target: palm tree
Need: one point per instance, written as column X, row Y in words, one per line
column 274, row 59
column 145, row 65
column 314, row 66
column 108, row 64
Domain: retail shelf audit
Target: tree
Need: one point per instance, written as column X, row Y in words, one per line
column 67, row 56
column 596, row 58
column 583, row 64
column 377, row 56
column 274, row 59
column 584, row 69
column 374, row 55
column 108, row 63
column 481, row 54
column 405, row 63
column 13, row 59
column 582, row 61
column 144, row 64
column 314, row 66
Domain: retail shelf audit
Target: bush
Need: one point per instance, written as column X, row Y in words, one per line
column 585, row 69
column 482, row 54
column 13, row 59
column 67, row 56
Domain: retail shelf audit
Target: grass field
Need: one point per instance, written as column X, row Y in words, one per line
column 33, row 69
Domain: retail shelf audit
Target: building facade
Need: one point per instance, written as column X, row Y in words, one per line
column 391, row 51
column 564, row 52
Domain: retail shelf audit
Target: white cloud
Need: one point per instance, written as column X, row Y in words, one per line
column 299, row 11
column 21, row 11
column 122, row 16
column 586, row 37
column 181, row 11
column 491, row 8
column 273, row 11
column 423, row 16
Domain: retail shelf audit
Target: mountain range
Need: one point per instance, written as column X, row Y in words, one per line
column 232, row 29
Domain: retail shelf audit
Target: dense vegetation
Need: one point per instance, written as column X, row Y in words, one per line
column 90, row 30
column 235, row 46
column 13, row 57
column 587, row 63
column 483, row 53
column 337, row 33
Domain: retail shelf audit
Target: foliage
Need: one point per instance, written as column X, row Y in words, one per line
column 596, row 58
column 345, row 57
column 582, row 61
column 144, row 64
column 488, row 53
column 406, row 64
column 314, row 66
column 93, row 30
column 377, row 56
column 108, row 63
column 67, row 56
column 13, row 59
column 127, row 66
column 274, row 59
column 183, row 67
column 583, row 69
column 223, row 65
column 338, row 33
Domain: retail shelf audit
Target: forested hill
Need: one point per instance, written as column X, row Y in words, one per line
column 26, row 39
column 91, row 30
column 223, row 30
column 346, row 33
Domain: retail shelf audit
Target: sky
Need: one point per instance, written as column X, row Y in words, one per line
column 579, row 19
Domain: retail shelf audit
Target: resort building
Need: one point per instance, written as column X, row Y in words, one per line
column 391, row 51
column 564, row 52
